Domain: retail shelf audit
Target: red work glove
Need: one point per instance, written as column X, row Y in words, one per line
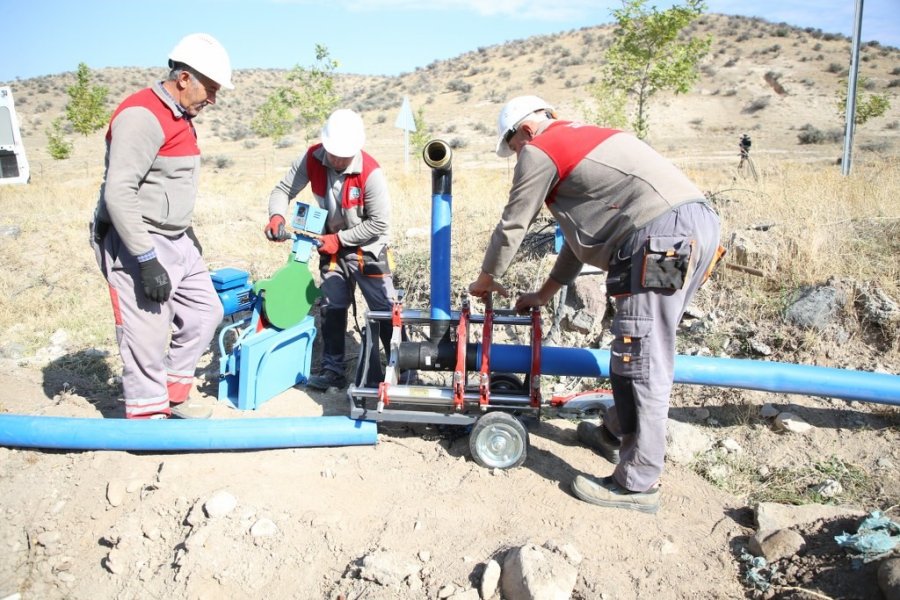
column 331, row 243
column 275, row 229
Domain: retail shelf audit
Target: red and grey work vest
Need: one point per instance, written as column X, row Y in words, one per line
column 354, row 189
column 567, row 143
column 179, row 132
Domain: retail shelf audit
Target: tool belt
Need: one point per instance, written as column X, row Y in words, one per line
column 369, row 264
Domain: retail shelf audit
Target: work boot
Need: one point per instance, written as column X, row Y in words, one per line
column 327, row 379
column 191, row 409
column 608, row 493
column 600, row 439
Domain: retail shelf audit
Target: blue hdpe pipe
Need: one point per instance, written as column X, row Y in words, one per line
column 721, row 372
column 437, row 155
column 26, row 431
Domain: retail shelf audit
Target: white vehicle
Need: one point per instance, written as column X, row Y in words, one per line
column 13, row 164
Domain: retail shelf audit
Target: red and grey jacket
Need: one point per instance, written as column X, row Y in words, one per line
column 152, row 169
column 353, row 191
column 567, row 143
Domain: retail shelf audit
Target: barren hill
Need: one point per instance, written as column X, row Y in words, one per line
column 763, row 78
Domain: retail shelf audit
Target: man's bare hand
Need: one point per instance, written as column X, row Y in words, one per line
column 485, row 285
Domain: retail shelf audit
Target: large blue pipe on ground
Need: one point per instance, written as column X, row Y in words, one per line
column 25, row 431
column 760, row 375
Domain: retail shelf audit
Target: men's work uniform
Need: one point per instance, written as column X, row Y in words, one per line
column 146, row 204
column 358, row 206
column 627, row 210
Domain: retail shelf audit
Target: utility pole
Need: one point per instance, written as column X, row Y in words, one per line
column 851, row 90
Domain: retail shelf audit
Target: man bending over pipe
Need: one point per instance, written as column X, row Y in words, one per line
column 627, row 210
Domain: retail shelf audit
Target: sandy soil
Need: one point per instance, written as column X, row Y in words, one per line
column 132, row 524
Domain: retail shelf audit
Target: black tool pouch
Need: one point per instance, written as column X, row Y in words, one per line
column 666, row 262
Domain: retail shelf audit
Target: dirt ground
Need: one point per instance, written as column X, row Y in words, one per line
column 109, row 524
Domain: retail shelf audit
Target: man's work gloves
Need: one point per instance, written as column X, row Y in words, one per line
column 275, row 229
column 157, row 285
column 331, row 243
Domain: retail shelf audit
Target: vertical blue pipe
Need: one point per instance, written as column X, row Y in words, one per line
column 440, row 256
column 437, row 155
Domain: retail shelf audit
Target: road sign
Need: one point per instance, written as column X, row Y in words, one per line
column 406, row 120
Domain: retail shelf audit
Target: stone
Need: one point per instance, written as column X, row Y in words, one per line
column 533, row 572
column 684, row 441
column 768, row 411
column 264, row 528
column 771, row 516
column 792, row 423
column 778, row 544
column 815, row 307
column 115, row 492
column 490, row 579
column 219, row 504
column 387, row 568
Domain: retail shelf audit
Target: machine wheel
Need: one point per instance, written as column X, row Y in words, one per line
column 498, row 440
column 507, row 382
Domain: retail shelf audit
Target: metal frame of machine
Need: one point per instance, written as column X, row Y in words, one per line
column 495, row 404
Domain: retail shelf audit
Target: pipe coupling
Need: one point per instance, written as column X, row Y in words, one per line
column 437, row 154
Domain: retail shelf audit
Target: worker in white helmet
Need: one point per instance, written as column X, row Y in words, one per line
column 627, row 210
column 348, row 183
column 166, row 310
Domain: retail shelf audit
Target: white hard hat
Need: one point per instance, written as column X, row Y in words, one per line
column 343, row 134
column 512, row 113
column 203, row 53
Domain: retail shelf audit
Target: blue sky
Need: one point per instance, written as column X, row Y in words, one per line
column 378, row 37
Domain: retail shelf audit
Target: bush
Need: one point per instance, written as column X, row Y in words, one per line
column 458, row 85
column 58, row 146
column 812, row 135
column 757, row 104
column 220, row 161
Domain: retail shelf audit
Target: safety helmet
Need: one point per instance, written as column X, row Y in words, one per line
column 203, row 53
column 343, row 134
column 514, row 112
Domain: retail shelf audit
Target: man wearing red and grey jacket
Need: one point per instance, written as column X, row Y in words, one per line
column 142, row 236
column 627, row 210
column 350, row 185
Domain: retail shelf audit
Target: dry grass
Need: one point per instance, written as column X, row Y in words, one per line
column 833, row 226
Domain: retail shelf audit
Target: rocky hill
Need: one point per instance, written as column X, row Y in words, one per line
column 766, row 79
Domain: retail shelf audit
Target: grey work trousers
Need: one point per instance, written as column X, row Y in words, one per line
column 643, row 352
column 160, row 343
column 338, row 279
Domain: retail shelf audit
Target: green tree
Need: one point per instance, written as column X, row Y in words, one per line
column 868, row 106
column 273, row 119
column 648, row 54
column 58, row 146
column 308, row 93
column 422, row 134
column 86, row 110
